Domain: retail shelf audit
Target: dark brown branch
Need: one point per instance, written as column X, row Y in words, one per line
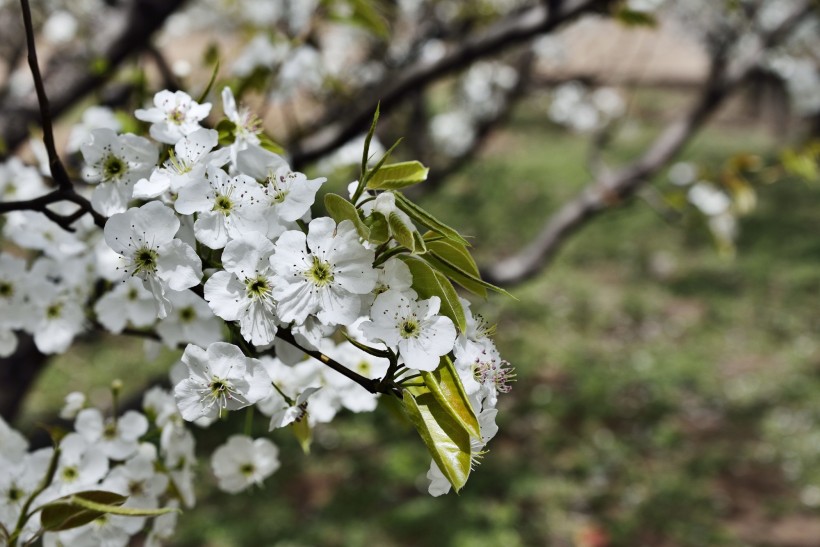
column 611, row 189
column 371, row 385
column 58, row 171
column 56, row 196
column 71, row 77
column 499, row 37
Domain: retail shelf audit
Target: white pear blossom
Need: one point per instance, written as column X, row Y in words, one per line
column 174, row 115
column 58, row 318
column 129, row 302
column 244, row 291
column 14, row 288
column 242, row 462
column 115, row 163
column 709, row 198
column 94, row 117
column 191, row 321
column 74, row 403
column 144, row 237
column 80, row 466
column 288, row 195
column 34, row 230
column 247, row 125
column 393, row 274
column 192, row 154
column 414, row 328
column 323, row 274
column 220, row 377
column 138, row 479
column 117, row 437
column 228, row 206
column 19, row 181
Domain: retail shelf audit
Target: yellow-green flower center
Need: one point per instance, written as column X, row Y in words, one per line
column 145, row 260
column 257, row 287
column 409, row 328
column 6, row 289
column 113, row 167
column 320, row 273
column 186, row 315
column 223, row 204
column 54, row 311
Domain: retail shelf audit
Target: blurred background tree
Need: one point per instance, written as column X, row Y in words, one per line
column 667, row 360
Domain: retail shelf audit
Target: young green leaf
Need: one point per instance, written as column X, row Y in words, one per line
column 63, row 514
column 340, row 209
column 379, row 230
column 420, row 244
column 419, row 215
column 463, row 278
column 401, row 232
column 269, row 144
column 367, row 349
column 446, row 387
column 446, row 439
column 429, row 282
column 398, row 175
column 210, row 85
column 304, row 434
column 449, row 252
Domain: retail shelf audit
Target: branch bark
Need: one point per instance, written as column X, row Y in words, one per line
column 70, row 78
column 499, row 37
column 611, row 189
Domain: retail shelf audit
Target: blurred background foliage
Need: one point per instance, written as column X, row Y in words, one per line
column 666, row 394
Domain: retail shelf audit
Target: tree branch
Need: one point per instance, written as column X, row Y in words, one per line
column 71, row 78
column 612, row 188
column 509, row 32
column 58, row 171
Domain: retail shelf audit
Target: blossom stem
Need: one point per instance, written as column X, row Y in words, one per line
column 373, row 386
column 24, row 512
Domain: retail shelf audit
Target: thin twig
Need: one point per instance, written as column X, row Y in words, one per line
column 611, row 189
column 56, row 196
column 515, row 29
column 58, row 171
column 373, row 386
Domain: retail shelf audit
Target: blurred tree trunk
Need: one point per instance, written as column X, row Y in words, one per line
column 17, row 376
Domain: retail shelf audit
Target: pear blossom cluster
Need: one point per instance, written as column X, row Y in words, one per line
column 210, row 246
column 145, row 456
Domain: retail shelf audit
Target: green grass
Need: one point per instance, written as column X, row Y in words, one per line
column 655, row 408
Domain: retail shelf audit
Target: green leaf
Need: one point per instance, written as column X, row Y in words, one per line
column 340, row 209
column 421, row 245
column 633, row 18
column 110, row 509
column 62, row 514
column 398, row 175
column 379, row 230
column 456, row 262
column 447, row 441
column 210, row 85
column 379, row 164
column 420, row 216
column 367, row 349
column 269, row 144
column 453, row 271
column 366, row 15
column 227, row 131
column 445, row 385
column 304, row 434
column 401, row 232
column 429, row 282
column 366, row 149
